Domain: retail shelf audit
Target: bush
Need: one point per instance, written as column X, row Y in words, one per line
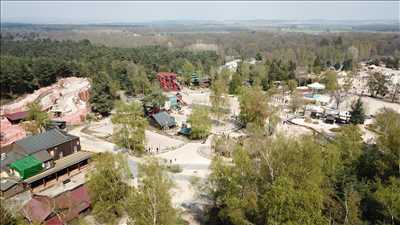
column 175, row 168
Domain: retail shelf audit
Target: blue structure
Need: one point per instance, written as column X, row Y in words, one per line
column 173, row 101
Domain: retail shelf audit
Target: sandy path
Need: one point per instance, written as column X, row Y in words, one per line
column 192, row 164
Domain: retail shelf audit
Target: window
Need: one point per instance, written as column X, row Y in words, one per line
column 75, row 148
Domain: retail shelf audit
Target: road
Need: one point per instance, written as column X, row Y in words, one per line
column 187, row 156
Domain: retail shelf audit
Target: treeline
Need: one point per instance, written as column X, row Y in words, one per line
column 301, row 48
column 30, row 64
column 309, row 180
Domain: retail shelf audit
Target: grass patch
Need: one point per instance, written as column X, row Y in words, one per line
column 335, row 129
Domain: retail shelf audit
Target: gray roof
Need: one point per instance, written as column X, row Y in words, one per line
column 10, row 158
column 164, row 119
column 6, row 184
column 44, row 141
column 42, row 156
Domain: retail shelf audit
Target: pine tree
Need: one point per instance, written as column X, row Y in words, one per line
column 357, row 113
column 101, row 96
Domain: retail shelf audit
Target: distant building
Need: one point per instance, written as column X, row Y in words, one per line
column 168, row 81
column 231, row 65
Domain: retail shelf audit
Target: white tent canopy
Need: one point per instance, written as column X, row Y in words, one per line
column 316, row 86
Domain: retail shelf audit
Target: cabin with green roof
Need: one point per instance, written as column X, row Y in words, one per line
column 27, row 166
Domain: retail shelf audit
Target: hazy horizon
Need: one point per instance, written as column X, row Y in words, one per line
column 92, row 12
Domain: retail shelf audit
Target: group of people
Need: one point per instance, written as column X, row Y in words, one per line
column 151, row 150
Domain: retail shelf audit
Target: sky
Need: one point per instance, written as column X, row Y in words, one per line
column 81, row 12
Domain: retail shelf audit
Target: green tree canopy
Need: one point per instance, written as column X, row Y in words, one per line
column 219, row 98
column 39, row 119
column 253, row 106
column 100, row 94
column 107, row 187
column 130, row 126
column 357, row 114
column 200, row 123
column 151, row 202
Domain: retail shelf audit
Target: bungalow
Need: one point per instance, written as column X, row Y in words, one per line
column 56, row 142
column 10, row 187
column 164, row 120
column 16, row 117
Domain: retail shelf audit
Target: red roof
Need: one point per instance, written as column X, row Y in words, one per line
column 72, row 203
column 54, row 221
column 37, row 209
column 81, row 194
column 68, row 206
column 166, row 74
column 17, row 116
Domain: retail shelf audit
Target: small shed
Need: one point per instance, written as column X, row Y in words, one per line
column 173, row 101
column 27, row 166
column 16, row 117
column 60, row 124
column 195, row 80
column 10, row 187
column 164, row 120
column 185, row 131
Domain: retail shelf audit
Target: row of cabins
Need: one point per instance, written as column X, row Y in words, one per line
column 39, row 160
column 162, row 119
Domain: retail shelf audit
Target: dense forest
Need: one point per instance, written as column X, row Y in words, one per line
column 30, row 64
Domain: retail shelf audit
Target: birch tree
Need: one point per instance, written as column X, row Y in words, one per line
column 130, row 127
column 150, row 203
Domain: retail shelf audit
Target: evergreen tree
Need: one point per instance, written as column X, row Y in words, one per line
column 100, row 94
column 357, row 114
column 235, row 84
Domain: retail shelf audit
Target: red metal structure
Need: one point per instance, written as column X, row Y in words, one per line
column 168, row 81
